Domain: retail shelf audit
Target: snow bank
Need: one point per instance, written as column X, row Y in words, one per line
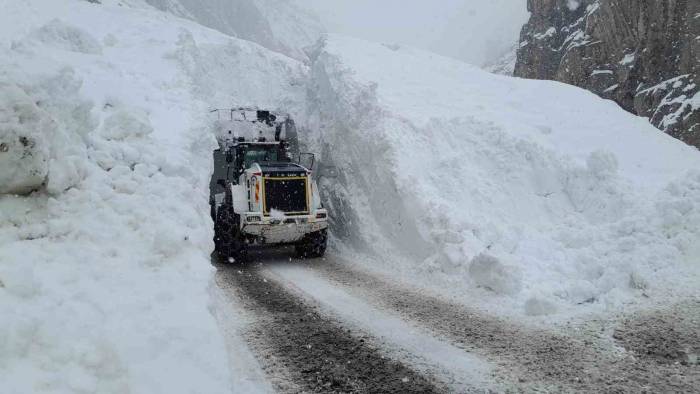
column 104, row 266
column 519, row 196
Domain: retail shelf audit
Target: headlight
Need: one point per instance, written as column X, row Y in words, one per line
column 321, row 215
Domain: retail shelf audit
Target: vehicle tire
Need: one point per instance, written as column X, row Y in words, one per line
column 228, row 240
column 313, row 245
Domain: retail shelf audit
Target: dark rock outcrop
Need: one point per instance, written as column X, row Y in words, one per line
column 643, row 54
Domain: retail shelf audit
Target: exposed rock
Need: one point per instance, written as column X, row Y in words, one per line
column 643, row 54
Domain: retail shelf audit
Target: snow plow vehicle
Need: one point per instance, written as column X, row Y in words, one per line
column 260, row 195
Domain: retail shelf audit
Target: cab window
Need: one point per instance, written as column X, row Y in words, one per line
column 258, row 155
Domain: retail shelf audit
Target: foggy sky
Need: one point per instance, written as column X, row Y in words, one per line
column 476, row 31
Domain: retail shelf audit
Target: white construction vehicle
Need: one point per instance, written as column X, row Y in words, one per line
column 259, row 194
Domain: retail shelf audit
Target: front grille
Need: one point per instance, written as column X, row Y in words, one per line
column 286, row 194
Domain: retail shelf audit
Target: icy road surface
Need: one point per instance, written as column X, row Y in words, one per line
column 325, row 326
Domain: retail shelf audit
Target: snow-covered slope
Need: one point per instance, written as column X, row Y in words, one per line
column 278, row 25
column 104, row 269
column 520, row 196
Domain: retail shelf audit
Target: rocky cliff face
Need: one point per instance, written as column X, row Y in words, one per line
column 643, row 54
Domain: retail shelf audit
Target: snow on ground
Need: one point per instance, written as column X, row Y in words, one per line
column 520, row 197
column 247, row 375
column 104, row 269
column 403, row 340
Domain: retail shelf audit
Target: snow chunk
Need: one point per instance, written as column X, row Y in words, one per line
column 40, row 134
column 538, row 307
column 25, row 132
column 489, row 272
column 126, row 123
column 276, row 214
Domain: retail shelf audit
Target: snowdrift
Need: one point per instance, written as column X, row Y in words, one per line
column 522, row 197
column 104, row 257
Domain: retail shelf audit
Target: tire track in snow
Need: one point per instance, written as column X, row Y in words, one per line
column 462, row 371
column 303, row 351
column 527, row 359
column 246, row 374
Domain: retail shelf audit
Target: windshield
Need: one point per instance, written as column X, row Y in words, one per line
column 257, row 155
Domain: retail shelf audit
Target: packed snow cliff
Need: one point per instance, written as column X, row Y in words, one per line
column 522, row 197
column 105, row 158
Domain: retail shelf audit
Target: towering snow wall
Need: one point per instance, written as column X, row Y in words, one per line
column 104, row 258
column 525, row 195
